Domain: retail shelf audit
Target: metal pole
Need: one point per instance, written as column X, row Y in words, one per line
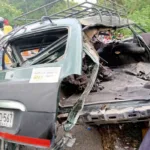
column 45, row 10
column 17, row 147
column 105, row 3
column 2, row 144
column 68, row 4
column 26, row 4
column 25, row 18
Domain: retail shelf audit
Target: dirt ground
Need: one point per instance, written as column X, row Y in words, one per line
column 107, row 137
column 86, row 139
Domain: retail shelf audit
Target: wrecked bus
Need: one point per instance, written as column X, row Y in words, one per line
column 74, row 77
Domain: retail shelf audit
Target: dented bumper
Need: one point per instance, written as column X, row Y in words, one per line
column 131, row 111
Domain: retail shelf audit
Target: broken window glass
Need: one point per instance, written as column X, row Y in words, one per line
column 41, row 47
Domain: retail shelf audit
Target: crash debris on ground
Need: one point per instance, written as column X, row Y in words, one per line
column 121, row 137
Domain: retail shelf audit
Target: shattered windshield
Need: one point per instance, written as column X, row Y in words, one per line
column 40, row 48
column 49, row 54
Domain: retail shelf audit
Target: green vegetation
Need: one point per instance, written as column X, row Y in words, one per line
column 29, row 5
column 142, row 17
column 138, row 11
column 8, row 11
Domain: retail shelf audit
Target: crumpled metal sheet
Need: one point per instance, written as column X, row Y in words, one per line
column 106, row 21
column 80, row 81
column 141, row 70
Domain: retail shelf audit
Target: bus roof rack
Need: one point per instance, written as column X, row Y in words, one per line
column 108, row 8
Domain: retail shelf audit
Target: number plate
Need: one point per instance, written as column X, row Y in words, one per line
column 6, row 118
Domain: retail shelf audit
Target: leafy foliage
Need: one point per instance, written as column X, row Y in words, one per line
column 138, row 11
column 142, row 17
column 29, row 5
column 8, row 11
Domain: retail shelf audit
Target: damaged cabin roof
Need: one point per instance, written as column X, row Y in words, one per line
column 105, row 21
